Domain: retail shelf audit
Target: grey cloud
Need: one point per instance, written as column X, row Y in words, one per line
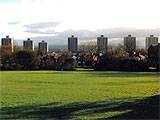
column 121, row 32
column 110, row 33
column 42, row 25
column 41, row 28
column 115, row 35
column 36, row 31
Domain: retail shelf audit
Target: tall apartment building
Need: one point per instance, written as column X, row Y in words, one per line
column 151, row 40
column 159, row 57
column 154, row 56
column 7, row 42
column 28, row 44
column 102, row 44
column 73, row 44
column 43, row 47
column 130, row 44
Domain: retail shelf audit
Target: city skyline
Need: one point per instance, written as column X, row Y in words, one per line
column 101, row 42
column 54, row 19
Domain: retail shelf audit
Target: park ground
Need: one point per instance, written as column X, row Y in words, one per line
column 83, row 94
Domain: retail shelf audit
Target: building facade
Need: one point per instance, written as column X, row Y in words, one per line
column 130, row 44
column 151, row 40
column 43, row 47
column 28, row 44
column 73, row 44
column 154, row 56
column 7, row 42
column 102, row 44
column 159, row 56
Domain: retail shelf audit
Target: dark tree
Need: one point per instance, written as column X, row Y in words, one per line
column 25, row 58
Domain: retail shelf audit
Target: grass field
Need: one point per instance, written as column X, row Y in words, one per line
column 75, row 94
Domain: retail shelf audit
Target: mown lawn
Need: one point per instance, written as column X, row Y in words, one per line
column 76, row 94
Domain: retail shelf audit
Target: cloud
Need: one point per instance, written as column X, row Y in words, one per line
column 115, row 35
column 41, row 28
column 36, row 31
column 41, row 25
column 13, row 22
column 10, row 1
column 110, row 33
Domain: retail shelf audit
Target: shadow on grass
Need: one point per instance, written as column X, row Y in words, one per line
column 50, row 72
column 92, row 73
column 147, row 108
column 121, row 74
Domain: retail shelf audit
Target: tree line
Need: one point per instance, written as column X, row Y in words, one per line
column 115, row 59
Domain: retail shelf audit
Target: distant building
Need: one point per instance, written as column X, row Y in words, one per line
column 73, row 44
column 102, row 44
column 151, row 40
column 28, row 44
column 7, row 42
column 43, row 47
column 130, row 44
column 154, row 56
column 158, row 56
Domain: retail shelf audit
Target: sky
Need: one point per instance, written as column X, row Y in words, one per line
column 57, row 19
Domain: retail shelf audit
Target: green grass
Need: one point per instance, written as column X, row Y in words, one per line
column 79, row 90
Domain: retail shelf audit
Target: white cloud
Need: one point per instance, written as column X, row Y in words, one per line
column 79, row 14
